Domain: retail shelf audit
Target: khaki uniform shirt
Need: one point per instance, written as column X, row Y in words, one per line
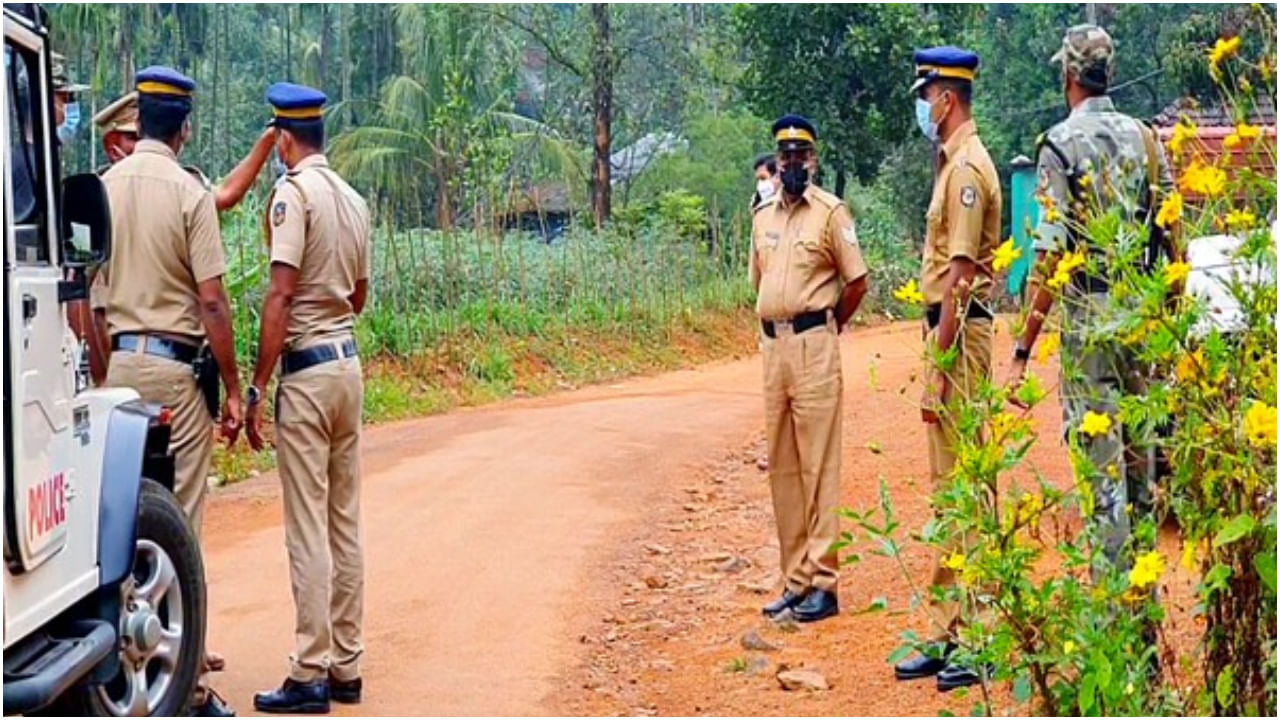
column 319, row 225
column 165, row 241
column 964, row 216
column 803, row 253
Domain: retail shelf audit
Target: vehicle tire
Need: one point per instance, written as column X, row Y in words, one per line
column 162, row 617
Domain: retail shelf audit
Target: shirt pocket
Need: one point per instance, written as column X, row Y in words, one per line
column 809, row 253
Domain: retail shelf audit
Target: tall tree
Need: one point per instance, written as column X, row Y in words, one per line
column 603, row 66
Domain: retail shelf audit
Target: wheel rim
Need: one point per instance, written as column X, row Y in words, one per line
column 151, row 626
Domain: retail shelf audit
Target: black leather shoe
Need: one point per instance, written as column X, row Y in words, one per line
column 817, row 605
column 922, row 665
column 957, row 676
column 786, row 602
column 294, row 698
column 346, row 692
column 213, row 706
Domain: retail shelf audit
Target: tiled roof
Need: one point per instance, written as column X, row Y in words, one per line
column 1264, row 113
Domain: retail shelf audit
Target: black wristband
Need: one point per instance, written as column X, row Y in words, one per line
column 1021, row 353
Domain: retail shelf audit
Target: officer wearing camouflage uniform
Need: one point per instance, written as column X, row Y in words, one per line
column 1108, row 148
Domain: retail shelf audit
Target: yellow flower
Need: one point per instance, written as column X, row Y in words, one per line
column 1188, row 556
column 1266, row 68
column 1176, row 272
column 1095, row 424
column 1241, row 219
column 1243, row 135
column 1052, row 215
column 1071, row 261
column 1085, row 181
column 1068, row 647
column 1222, row 50
column 1170, row 210
column 1260, row 425
column 909, row 293
column 1048, row 346
column 1128, row 689
column 1146, row 569
column 1203, row 179
column 1189, row 367
column 1029, row 508
column 1058, row 281
column 954, row 561
column 1182, row 132
column 1002, row 423
column 1113, row 471
column 1005, row 255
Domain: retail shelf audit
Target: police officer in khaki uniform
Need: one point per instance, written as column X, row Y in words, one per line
column 963, row 231
column 118, row 125
column 162, row 291
column 808, row 271
column 319, row 232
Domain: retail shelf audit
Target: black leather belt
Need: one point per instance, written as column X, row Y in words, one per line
column 799, row 323
column 977, row 311
column 300, row 360
column 155, row 345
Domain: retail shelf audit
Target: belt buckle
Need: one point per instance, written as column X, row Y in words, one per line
column 784, row 327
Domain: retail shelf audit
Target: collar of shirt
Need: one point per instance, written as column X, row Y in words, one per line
column 953, row 144
column 805, row 198
column 1095, row 104
column 310, row 161
column 157, row 147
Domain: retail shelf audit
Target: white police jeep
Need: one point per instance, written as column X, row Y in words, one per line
column 104, row 595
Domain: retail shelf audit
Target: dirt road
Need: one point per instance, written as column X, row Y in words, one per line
column 601, row 551
column 484, row 531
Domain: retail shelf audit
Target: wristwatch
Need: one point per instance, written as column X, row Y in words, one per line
column 254, row 395
column 1021, row 353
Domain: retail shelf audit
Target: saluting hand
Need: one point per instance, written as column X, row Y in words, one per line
column 232, row 419
column 253, row 425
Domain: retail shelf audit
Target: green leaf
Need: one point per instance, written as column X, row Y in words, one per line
column 945, row 713
column 878, row 604
column 1236, row 528
column 1022, row 689
column 1216, row 578
column 1225, row 687
column 1266, row 566
column 1087, row 688
column 899, row 655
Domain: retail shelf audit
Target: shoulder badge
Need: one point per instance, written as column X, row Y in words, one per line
column 849, row 235
column 968, row 195
column 194, row 172
column 278, row 213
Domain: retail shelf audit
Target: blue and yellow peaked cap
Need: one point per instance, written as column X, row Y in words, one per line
column 948, row 62
column 163, row 81
column 295, row 103
column 794, row 132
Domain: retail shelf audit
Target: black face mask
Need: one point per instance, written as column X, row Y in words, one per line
column 795, row 178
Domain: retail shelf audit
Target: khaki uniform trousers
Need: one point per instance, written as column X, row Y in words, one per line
column 802, row 397
column 972, row 367
column 173, row 384
column 318, row 452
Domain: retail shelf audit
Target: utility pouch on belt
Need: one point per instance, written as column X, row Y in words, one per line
column 208, row 379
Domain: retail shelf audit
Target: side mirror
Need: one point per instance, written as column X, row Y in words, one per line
column 86, row 221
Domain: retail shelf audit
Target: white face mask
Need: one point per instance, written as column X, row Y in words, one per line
column 765, row 189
